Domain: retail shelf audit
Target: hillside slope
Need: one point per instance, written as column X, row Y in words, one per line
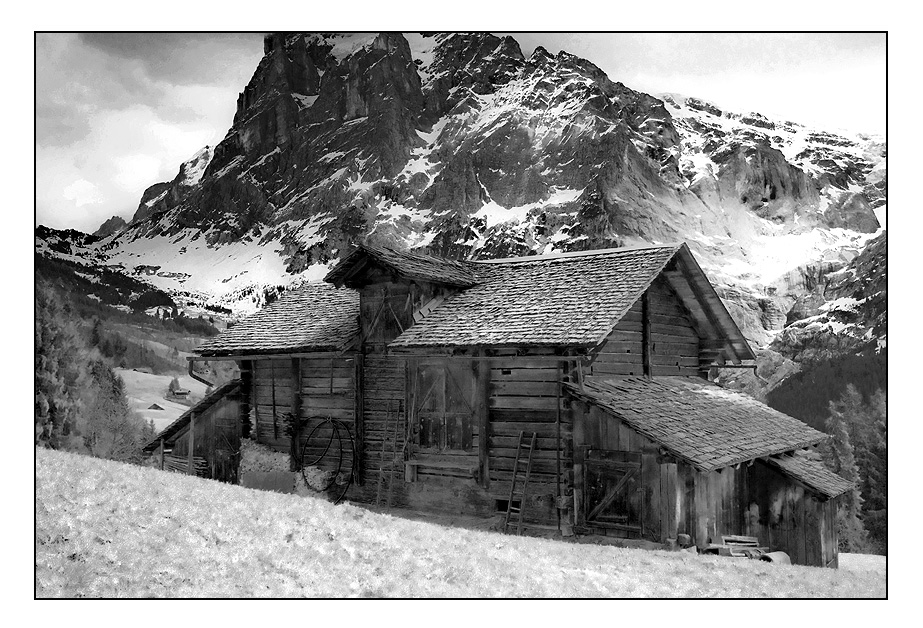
column 105, row 529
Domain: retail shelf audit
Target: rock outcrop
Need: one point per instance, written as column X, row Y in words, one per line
column 461, row 145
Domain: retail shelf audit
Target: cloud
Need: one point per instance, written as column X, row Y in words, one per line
column 82, row 192
column 832, row 79
column 120, row 112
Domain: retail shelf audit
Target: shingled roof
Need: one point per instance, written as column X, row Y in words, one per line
column 697, row 421
column 410, row 265
column 568, row 299
column 315, row 317
column 182, row 421
column 812, row 473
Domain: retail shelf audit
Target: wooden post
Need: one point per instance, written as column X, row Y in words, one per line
column 296, row 413
column 702, row 507
column 189, row 457
column 161, row 454
column 557, row 449
column 483, row 418
column 578, row 416
column 272, row 379
column 358, row 384
column 246, row 398
column 646, row 348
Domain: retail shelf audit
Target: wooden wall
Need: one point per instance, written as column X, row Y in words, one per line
column 596, row 431
column 272, row 398
column 674, row 341
column 525, row 396
column 328, row 391
column 325, row 389
column 216, row 439
column 522, row 394
column 789, row 518
column 675, row 498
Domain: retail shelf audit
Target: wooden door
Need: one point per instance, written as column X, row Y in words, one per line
column 612, row 489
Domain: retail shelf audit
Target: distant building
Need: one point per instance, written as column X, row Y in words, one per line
column 154, row 406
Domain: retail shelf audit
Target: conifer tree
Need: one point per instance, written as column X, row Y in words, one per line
column 841, row 459
column 57, row 370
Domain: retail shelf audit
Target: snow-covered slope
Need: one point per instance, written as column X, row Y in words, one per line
column 105, row 529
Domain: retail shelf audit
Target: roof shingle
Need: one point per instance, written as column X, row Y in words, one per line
column 706, row 425
column 315, row 317
column 571, row 300
column 410, row 265
column 812, row 472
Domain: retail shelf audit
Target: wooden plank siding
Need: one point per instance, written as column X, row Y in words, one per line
column 215, row 438
column 325, row 390
column 789, row 518
column 525, row 396
column 671, row 340
column 675, row 497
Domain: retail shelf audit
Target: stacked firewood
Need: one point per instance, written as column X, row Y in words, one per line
column 180, row 464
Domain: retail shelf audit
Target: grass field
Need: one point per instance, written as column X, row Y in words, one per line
column 112, row 530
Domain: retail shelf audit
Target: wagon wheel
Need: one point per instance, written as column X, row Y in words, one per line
column 305, row 462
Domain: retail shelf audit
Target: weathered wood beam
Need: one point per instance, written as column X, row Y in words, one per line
column 705, row 300
column 161, row 453
column 275, row 420
column 646, row 348
column 191, row 468
column 296, row 412
column 483, row 419
column 557, row 449
column 268, row 356
column 359, row 419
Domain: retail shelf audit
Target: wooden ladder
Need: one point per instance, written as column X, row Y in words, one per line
column 391, row 435
column 510, row 509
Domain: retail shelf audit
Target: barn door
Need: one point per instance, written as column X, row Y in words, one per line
column 613, row 489
column 443, row 416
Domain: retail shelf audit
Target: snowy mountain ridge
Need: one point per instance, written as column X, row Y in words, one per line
column 459, row 145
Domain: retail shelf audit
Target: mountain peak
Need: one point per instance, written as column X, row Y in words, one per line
column 457, row 143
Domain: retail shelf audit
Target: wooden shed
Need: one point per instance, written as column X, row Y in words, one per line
column 436, row 367
column 204, row 440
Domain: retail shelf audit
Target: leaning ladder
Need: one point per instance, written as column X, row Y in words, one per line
column 510, row 509
column 391, row 436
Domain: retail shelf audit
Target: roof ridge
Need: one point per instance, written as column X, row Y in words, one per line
column 572, row 254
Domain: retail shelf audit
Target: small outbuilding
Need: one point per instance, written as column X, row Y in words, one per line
column 432, row 372
column 204, row 440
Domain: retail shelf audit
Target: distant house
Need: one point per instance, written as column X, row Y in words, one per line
column 437, row 368
column 181, row 393
column 154, row 406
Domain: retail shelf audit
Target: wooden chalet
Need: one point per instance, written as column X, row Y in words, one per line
column 438, row 367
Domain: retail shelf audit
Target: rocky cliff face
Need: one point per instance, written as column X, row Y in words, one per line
column 461, row 145
column 110, row 226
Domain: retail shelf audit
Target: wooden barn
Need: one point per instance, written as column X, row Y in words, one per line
column 445, row 384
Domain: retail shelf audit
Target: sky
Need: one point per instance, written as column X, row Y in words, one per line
column 116, row 113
